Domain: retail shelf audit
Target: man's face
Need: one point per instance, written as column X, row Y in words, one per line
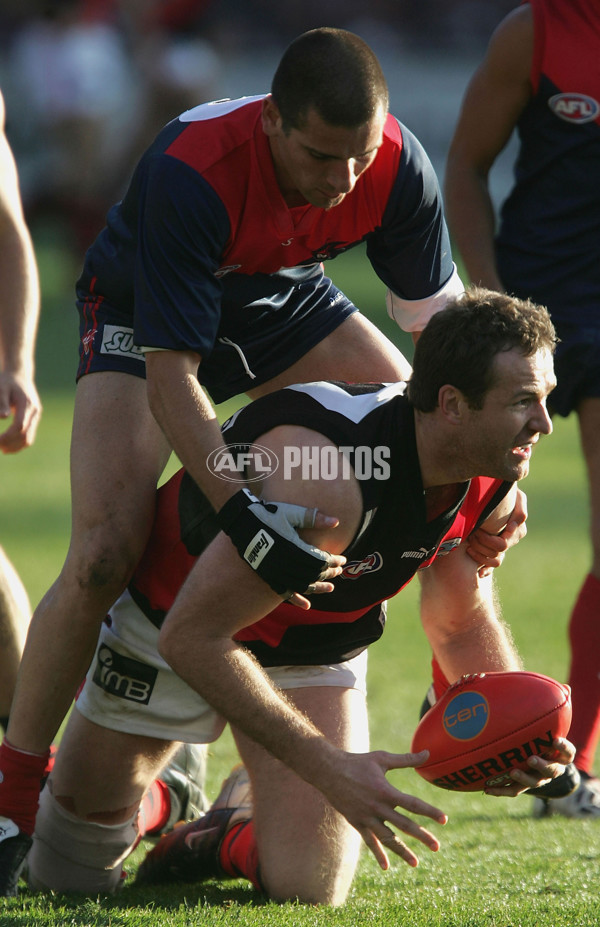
column 499, row 438
column 318, row 163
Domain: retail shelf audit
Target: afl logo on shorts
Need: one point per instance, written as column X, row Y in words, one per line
column 574, row 107
column 466, row 715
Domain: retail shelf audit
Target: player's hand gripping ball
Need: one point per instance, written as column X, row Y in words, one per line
column 489, row 723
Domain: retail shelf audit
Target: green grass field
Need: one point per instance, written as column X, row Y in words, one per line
column 497, row 867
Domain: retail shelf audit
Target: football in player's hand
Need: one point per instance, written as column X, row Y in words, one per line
column 489, row 723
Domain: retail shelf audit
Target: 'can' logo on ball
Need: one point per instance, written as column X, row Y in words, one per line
column 466, row 715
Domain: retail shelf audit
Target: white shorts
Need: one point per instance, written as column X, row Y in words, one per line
column 130, row 688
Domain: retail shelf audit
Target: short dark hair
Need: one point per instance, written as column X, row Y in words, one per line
column 459, row 344
column 333, row 72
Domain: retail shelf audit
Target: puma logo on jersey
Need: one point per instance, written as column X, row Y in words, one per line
column 574, row 107
column 420, row 554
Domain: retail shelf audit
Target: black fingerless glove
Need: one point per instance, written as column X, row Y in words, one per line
column 265, row 537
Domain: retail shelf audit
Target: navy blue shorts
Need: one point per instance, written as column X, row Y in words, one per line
column 577, row 368
column 237, row 363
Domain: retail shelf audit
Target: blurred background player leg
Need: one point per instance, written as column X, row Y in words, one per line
column 15, row 612
column 584, row 636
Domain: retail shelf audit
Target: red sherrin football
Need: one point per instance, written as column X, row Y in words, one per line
column 487, row 724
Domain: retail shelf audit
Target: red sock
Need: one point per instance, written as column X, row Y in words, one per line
column 440, row 683
column 20, row 778
column 584, row 674
column 238, row 855
column 155, row 808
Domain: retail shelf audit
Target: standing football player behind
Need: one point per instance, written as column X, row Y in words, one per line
column 208, row 281
column 19, row 400
column 411, row 477
column 541, row 75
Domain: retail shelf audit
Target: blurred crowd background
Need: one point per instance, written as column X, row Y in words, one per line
column 88, row 83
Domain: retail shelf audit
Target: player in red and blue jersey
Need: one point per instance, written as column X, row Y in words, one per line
column 541, row 77
column 403, row 472
column 208, row 275
column 244, row 273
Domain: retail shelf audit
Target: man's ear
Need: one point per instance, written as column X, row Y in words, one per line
column 271, row 117
column 452, row 404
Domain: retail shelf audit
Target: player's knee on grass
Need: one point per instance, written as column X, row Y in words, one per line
column 321, row 874
column 70, row 854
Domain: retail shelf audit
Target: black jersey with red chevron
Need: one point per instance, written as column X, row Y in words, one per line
column 393, row 541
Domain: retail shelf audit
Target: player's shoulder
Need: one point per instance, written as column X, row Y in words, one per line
column 352, row 399
column 239, row 113
column 212, row 132
column 399, row 142
column 319, row 405
column 409, row 165
column 493, row 499
column 507, row 62
column 514, row 34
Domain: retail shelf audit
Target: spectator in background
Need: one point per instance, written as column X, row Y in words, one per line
column 95, row 81
column 19, row 401
column 541, row 75
column 176, row 66
column 73, row 83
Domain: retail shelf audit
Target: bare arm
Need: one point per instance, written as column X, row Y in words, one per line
column 187, row 418
column 19, row 310
column 185, row 414
column 488, row 548
column 222, row 595
column 461, row 617
column 460, row 612
column 495, row 97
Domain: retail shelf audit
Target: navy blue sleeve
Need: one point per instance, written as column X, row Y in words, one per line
column 411, row 252
column 183, row 229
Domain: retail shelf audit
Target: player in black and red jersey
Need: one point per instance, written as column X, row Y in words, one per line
column 403, row 473
column 541, row 78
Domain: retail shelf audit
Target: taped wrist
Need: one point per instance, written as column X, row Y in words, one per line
column 265, row 537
